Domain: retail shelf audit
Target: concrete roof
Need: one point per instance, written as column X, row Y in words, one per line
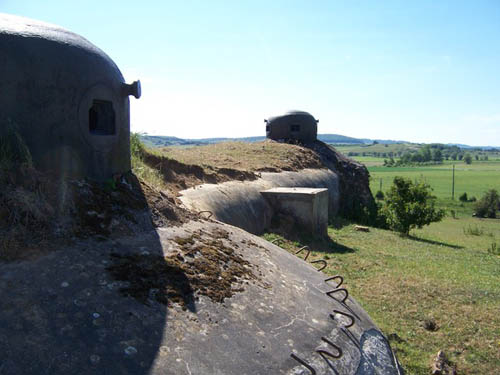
column 294, row 190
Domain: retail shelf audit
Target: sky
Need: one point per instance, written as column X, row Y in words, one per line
column 419, row 71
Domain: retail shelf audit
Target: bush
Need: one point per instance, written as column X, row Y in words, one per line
column 463, row 197
column 409, row 205
column 488, row 205
column 379, row 195
column 468, row 158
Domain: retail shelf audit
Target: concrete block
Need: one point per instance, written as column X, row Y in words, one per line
column 309, row 206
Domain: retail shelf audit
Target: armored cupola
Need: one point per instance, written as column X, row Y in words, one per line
column 66, row 97
column 293, row 125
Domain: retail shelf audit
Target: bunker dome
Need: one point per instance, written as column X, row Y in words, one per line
column 293, row 125
column 66, row 97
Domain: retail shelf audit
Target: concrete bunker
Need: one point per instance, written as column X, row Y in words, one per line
column 308, row 206
column 67, row 99
column 293, row 125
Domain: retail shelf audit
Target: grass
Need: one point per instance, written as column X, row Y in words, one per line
column 369, row 148
column 475, row 179
column 439, row 274
column 448, row 272
column 146, row 173
column 258, row 156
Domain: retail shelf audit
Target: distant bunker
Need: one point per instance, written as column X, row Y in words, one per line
column 67, row 99
column 308, row 206
column 293, row 125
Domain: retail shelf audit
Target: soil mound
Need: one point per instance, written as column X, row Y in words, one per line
column 178, row 176
column 38, row 209
column 244, row 161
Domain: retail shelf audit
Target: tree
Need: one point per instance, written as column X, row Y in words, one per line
column 426, row 153
column 410, row 205
column 468, row 158
column 437, row 156
column 488, row 205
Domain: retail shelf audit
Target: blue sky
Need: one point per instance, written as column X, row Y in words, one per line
column 422, row 71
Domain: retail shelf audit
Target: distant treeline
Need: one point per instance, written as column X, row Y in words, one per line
column 429, row 154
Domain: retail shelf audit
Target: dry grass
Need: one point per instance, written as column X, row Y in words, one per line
column 257, row 157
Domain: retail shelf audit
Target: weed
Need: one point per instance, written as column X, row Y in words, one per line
column 494, row 249
column 473, row 230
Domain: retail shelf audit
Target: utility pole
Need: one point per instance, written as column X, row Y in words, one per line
column 453, row 184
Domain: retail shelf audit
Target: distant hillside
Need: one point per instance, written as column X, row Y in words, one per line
column 161, row 141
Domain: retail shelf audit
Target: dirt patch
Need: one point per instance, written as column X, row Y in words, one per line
column 442, row 366
column 178, row 176
column 202, row 266
column 39, row 210
column 188, row 167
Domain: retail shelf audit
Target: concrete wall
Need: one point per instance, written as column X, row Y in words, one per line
column 308, row 206
column 241, row 203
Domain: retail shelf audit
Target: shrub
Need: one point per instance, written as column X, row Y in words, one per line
column 468, row 158
column 379, row 195
column 410, row 205
column 463, row 197
column 488, row 205
column 472, row 199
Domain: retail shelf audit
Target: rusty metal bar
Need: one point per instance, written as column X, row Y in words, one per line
column 321, row 261
column 351, row 337
column 323, row 351
column 345, row 314
column 336, row 291
column 303, row 363
column 336, row 277
column 210, row 212
column 306, row 248
column 351, row 310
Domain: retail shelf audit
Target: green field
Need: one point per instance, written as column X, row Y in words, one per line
column 442, row 273
column 369, row 148
column 474, row 179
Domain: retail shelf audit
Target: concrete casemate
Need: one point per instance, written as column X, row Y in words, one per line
column 240, row 203
column 66, row 313
column 308, row 206
column 66, row 97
